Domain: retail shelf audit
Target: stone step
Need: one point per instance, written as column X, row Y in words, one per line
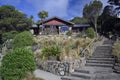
column 117, row 69
column 104, row 47
column 72, row 78
column 102, row 59
column 117, row 64
column 107, row 42
column 80, row 70
column 95, row 61
column 106, row 76
column 107, row 50
column 102, row 51
column 92, row 69
column 102, row 56
column 98, row 65
column 81, row 75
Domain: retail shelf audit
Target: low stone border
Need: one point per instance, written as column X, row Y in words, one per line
column 59, row 68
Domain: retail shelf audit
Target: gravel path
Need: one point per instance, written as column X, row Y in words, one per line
column 46, row 75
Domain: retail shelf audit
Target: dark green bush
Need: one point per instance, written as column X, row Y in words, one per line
column 50, row 51
column 90, row 32
column 116, row 49
column 10, row 45
column 1, row 37
column 8, row 35
column 0, row 48
column 16, row 64
column 69, row 33
column 23, row 39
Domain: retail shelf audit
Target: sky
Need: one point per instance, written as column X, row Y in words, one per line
column 66, row 9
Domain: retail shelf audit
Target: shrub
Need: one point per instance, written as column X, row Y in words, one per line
column 23, row 39
column 8, row 35
column 0, row 37
column 90, row 32
column 16, row 64
column 0, row 48
column 69, row 33
column 116, row 49
column 50, row 51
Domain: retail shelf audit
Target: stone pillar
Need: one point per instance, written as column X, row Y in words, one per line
column 32, row 31
column 59, row 29
column 70, row 28
column 41, row 29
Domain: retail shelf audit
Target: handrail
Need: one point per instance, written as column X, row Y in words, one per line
column 89, row 46
column 83, row 51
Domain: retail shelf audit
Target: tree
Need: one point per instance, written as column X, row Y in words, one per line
column 32, row 17
column 13, row 19
column 23, row 39
column 16, row 64
column 1, row 37
column 90, row 32
column 108, row 15
column 79, row 20
column 116, row 3
column 92, row 11
column 42, row 15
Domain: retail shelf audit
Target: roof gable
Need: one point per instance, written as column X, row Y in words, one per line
column 55, row 21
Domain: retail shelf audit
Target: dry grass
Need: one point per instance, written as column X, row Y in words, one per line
column 70, row 47
column 116, row 49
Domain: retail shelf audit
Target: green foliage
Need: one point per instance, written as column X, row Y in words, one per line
column 82, row 34
column 69, row 33
column 1, row 37
column 43, row 14
column 79, row 20
column 23, row 39
column 16, row 64
column 90, row 32
column 108, row 19
column 0, row 48
column 12, row 19
column 50, row 51
column 8, row 35
column 92, row 11
column 111, row 25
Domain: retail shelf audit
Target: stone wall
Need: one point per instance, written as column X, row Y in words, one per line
column 59, row 68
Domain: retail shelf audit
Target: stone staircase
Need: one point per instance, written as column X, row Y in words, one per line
column 98, row 67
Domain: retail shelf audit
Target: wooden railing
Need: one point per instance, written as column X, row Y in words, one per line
column 90, row 48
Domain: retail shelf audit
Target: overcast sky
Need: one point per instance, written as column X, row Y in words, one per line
column 66, row 9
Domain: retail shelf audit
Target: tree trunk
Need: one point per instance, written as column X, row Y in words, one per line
column 96, row 27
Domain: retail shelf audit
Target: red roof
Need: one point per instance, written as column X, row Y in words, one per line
column 55, row 21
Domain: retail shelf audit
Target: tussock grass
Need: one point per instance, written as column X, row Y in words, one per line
column 116, row 48
column 70, row 47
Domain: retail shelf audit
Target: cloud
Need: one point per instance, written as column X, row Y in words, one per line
column 62, row 8
column 77, row 7
column 54, row 7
